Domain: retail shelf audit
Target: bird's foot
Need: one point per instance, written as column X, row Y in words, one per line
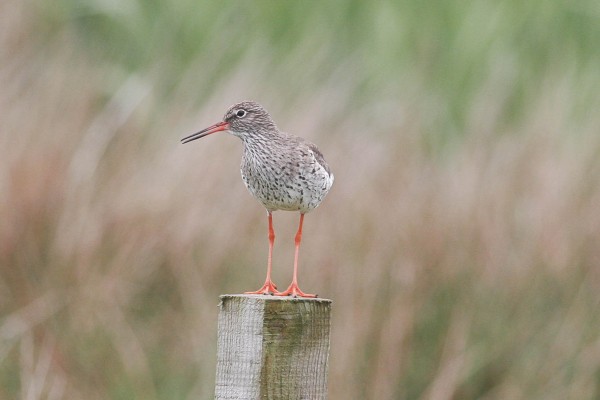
column 294, row 291
column 268, row 288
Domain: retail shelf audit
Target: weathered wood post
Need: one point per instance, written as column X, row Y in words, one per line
column 272, row 348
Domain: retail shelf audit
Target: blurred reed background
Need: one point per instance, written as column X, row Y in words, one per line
column 460, row 242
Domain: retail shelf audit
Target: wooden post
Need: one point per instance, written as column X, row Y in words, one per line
column 272, row 348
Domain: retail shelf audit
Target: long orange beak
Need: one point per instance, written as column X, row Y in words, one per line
column 219, row 126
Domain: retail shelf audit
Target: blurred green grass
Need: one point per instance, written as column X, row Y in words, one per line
column 459, row 244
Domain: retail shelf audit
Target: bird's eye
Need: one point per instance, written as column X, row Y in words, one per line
column 240, row 113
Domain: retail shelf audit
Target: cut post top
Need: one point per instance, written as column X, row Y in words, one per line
column 275, row 298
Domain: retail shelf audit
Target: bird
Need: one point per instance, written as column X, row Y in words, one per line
column 282, row 171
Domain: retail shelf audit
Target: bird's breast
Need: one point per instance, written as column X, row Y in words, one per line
column 283, row 182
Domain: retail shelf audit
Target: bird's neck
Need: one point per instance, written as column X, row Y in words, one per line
column 260, row 139
column 258, row 147
column 255, row 145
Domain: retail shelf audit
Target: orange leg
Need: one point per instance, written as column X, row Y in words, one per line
column 293, row 289
column 269, row 287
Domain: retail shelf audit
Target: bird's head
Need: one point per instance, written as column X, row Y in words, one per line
column 244, row 120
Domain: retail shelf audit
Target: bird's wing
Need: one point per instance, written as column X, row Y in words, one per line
column 319, row 157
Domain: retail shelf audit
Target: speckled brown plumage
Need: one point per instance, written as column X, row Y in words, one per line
column 282, row 171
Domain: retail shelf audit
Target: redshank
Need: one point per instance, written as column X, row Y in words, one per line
column 282, row 171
